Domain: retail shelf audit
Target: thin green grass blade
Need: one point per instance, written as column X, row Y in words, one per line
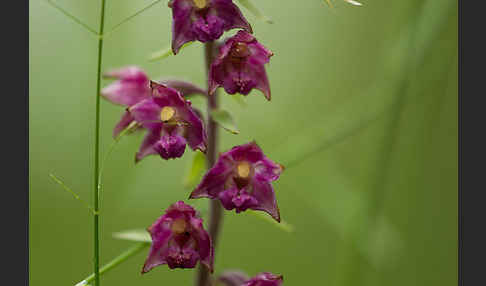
column 283, row 225
column 255, row 11
column 132, row 16
column 225, row 120
column 195, row 171
column 66, row 188
column 165, row 53
column 140, row 235
column 72, row 17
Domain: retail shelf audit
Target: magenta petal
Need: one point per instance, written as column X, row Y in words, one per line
column 159, row 248
column 265, row 195
column 146, row 111
column 132, row 86
column 124, row 122
column 231, row 15
column 180, row 209
column 152, row 137
column 181, row 23
column 255, row 76
column 186, row 88
column 194, row 133
column 213, row 181
column 250, row 152
column 267, row 170
column 206, row 250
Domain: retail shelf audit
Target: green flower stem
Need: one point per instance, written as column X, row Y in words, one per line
column 215, row 209
column 96, row 190
column 116, row 261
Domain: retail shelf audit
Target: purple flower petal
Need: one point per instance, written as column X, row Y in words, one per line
column 231, row 15
column 213, row 181
column 206, row 250
column 124, row 122
column 151, row 138
column 181, row 24
column 158, row 250
column 185, row 88
column 132, row 86
column 146, row 111
column 265, row 195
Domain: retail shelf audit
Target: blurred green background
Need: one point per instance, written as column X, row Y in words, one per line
column 363, row 114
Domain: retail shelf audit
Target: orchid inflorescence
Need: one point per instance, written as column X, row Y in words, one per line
column 241, row 177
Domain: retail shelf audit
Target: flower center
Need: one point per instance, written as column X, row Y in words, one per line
column 239, row 50
column 167, row 113
column 178, row 226
column 200, row 3
column 243, row 169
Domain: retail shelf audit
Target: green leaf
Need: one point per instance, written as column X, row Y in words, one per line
column 166, row 52
column 196, row 170
column 225, row 120
column 140, row 235
column 353, row 2
column 124, row 256
column 255, row 11
column 283, row 225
